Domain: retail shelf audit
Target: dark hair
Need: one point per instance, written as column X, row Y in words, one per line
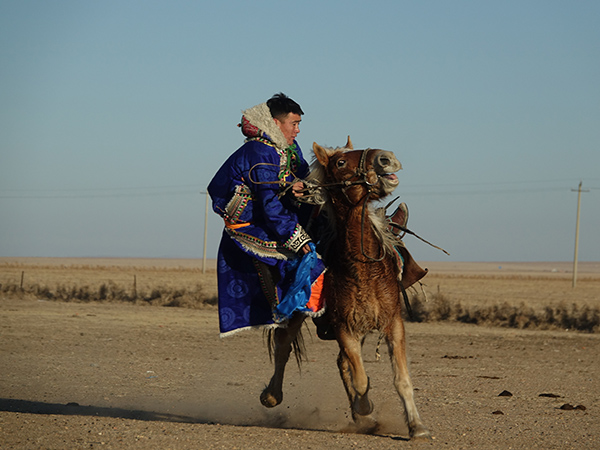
column 281, row 105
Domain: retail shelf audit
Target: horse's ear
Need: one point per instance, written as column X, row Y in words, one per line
column 349, row 144
column 321, row 154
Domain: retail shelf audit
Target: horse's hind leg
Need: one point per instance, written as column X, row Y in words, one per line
column 402, row 382
column 272, row 395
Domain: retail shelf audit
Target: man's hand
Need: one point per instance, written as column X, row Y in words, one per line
column 297, row 189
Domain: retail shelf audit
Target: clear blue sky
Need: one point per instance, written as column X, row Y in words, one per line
column 114, row 116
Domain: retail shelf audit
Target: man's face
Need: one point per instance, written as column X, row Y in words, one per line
column 289, row 126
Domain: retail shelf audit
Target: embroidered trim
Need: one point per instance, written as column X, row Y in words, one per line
column 263, row 140
column 288, row 162
column 298, row 239
column 259, row 247
column 238, row 203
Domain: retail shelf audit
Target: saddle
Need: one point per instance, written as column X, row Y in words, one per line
column 411, row 271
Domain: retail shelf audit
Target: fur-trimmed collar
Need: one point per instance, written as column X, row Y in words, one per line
column 260, row 117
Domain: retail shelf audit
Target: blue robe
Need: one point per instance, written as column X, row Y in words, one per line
column 259, row 225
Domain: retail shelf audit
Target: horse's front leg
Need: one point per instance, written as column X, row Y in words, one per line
column 354, row 376
column 272, row 395
column 402, row 382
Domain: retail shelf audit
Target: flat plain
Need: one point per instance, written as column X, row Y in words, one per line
column 129, row 375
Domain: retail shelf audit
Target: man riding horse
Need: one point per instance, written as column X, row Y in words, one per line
column 269, row 273
column 260, row 279
column 256, row 192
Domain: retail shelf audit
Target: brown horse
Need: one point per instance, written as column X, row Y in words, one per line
column 362, row 285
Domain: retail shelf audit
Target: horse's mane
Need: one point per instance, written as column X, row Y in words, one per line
column 316, row 178
column 382, row 230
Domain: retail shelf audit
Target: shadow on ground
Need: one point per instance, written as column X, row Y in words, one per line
column 280, row 421
column 74, row 409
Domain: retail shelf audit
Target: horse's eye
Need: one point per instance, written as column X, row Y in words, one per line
column 341, row 163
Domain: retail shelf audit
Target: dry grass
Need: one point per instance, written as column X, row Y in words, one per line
column 562, row 316
column 517, row 295
column 522, row 295
column 111, row 292
column 178, row 286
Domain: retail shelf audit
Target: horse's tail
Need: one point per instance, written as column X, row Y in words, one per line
column 297, row 344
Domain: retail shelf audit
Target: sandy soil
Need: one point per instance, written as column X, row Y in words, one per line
column 82, row 375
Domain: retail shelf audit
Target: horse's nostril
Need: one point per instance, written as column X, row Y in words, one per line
column 384, row 161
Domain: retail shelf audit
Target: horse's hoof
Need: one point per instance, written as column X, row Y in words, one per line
column 269, row 400
column 362, row 406
column 420, row 433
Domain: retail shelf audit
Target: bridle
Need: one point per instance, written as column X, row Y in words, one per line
column 360, row 178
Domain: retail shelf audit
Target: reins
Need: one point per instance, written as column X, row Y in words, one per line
column 312, row 186
column 361, row 173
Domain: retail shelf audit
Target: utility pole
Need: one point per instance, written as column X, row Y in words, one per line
column 579, row 191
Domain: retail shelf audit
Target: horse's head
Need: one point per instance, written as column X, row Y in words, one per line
column 357, row 172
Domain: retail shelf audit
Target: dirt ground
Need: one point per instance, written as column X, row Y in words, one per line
column 116, row 376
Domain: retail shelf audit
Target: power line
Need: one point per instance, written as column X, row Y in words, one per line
column 495, row 183
column 115, row 195
column 155, row 191
column 196, row 186
column 448, row 189
column 484, row 192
